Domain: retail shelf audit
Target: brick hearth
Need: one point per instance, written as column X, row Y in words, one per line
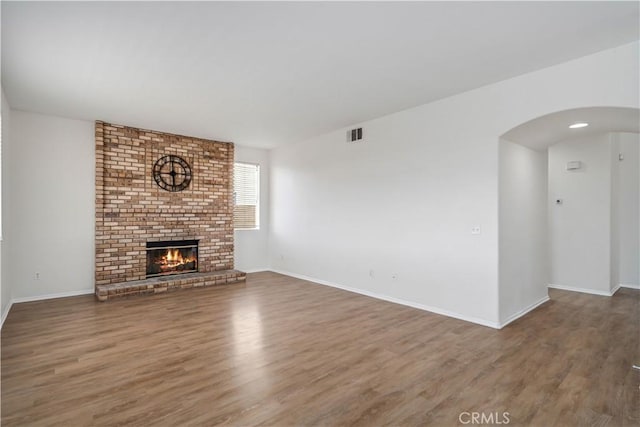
column 131, row 209
column 158, row 285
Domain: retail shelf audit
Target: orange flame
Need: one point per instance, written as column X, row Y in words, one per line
column 173, row 259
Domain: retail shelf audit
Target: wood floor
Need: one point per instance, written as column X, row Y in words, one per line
column 280, row 351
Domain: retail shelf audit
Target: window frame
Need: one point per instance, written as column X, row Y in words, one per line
column 257, row 214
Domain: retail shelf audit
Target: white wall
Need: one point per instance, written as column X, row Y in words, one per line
column 628, row 210
column 524, row 266
column 594, row 234
column 392, row 215
column 251, row 246
column 52, row 208
column 614, row 212
column 5, row 288
column 580, row 227
column 402, row 202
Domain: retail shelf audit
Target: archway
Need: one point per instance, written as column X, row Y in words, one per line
column 564, row 212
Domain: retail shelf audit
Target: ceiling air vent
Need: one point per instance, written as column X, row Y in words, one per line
column 354, row 135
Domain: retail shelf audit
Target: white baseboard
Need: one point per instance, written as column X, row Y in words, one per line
column 585, row 290
column 524, row 311
column 255, row 270
column 52, row 296
column 630, row 285
column 5, row 313
column 412, row 304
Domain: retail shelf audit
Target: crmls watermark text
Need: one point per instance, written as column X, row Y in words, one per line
column 484, row 418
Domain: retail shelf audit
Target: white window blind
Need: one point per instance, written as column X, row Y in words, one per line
column 246, row 180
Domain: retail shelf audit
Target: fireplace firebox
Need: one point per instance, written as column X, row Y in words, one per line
column 172, row 257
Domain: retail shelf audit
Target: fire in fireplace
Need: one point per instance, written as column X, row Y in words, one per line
column 172, row 257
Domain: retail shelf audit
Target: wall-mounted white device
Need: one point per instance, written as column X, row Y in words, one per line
column 575, row 165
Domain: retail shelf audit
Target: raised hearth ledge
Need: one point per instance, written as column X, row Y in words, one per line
column 156, row 285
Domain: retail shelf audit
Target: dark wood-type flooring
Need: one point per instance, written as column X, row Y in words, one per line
column 281, row 351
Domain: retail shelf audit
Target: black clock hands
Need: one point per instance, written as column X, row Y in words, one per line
column 173, row 173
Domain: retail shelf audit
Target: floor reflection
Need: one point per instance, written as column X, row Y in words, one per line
column 248, row 344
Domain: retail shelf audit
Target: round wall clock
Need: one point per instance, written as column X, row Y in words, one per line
column 172, row 173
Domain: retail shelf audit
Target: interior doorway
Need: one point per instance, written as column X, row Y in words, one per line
column 569, row 203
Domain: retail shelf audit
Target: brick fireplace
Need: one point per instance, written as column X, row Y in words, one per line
column 136, row 215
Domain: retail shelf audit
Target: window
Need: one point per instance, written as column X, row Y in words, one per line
column 246, row 184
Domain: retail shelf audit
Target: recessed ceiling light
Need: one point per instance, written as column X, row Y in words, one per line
column 578, row 125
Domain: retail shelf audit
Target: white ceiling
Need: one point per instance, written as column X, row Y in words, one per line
column 544, row 131
column 265, row 74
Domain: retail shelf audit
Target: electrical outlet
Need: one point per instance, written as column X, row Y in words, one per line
column 475, row 230
column 371, row 273
column 36, row 275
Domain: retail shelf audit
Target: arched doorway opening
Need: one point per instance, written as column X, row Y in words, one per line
column 569, row 204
